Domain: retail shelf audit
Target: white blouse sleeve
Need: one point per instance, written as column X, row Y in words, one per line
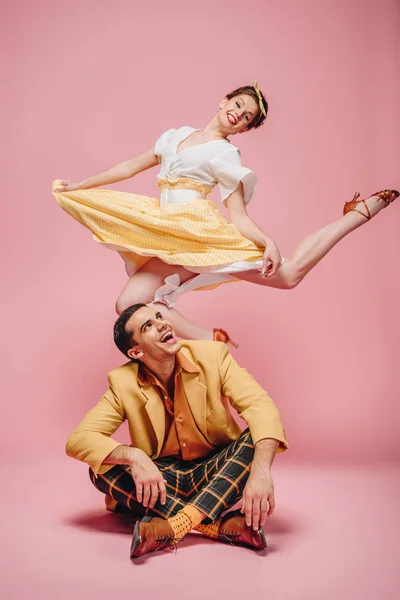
column 229, row 172
column 162, row 142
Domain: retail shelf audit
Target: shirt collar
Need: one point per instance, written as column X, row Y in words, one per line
column 185, row 363
column 146, row 378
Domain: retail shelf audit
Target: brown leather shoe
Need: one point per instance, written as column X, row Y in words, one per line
column 151, row 534
column 233, row 529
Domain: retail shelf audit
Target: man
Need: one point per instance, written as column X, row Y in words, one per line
column 189, row 460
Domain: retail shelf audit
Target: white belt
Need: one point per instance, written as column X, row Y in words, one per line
column 172, row 197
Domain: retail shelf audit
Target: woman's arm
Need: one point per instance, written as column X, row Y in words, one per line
column 119, row 172
column 239, row 217
column 250, row 230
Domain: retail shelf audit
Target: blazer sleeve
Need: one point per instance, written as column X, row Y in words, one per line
column 250, row 400
column 91, row 441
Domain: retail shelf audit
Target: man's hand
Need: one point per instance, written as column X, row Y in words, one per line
column 148, row 479
column 258, row 498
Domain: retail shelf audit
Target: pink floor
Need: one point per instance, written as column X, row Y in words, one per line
column 335, row 534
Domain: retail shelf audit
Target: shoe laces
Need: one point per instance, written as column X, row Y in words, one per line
column 229, row 536
column 164, row 541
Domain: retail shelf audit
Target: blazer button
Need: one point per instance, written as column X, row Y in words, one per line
column 184, row 444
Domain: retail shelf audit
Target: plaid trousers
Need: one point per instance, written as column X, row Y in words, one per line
column 212, row 484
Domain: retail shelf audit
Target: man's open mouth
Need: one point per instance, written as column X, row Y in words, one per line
column 168, row 336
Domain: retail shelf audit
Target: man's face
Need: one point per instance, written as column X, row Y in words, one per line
column 153, row 336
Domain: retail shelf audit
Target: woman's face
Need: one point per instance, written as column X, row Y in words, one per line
column 237, row 113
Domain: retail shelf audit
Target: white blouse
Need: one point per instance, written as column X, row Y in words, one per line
column 210, row 163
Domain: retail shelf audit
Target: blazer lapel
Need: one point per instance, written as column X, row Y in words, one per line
column 156, row 413
column 196, row 395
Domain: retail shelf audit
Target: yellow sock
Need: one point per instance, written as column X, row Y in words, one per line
column 181, row 524
column 194, row 515
column 184, row 521
column 211, row 530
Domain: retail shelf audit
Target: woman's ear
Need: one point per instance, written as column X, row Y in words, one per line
column 224, row 101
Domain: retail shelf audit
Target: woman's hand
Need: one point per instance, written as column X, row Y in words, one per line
column 67, row 186
column 272, row 259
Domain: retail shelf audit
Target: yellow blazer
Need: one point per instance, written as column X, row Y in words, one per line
column 211, row 379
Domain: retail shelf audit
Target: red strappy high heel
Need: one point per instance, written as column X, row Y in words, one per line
column 220, row 335
column 388, row 196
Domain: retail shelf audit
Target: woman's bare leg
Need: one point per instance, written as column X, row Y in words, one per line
column 185, row 329
column 312, row 249
column 142, row 286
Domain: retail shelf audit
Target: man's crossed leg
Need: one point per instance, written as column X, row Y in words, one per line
column 197, row 493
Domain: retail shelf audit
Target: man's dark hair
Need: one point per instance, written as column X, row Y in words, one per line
column 123, row 339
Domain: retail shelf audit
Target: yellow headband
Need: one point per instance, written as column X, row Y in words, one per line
column 260, row 100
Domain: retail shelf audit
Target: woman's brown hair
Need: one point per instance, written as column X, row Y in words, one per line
column 250, row 91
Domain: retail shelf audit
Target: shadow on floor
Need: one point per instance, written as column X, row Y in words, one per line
column 104, row 521
column 123, row 522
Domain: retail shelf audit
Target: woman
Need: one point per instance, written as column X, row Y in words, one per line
column 182, row 242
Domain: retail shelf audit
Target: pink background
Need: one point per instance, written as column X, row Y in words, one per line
column 91, row 83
